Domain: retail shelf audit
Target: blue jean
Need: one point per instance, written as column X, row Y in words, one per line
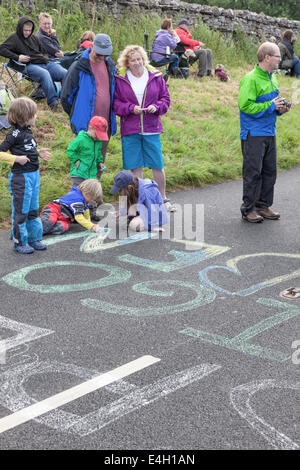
column 46, row 74
column 173, row 60
column 296, row 67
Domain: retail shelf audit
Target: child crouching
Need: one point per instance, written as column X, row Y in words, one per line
column 145, row 207
column 75, row 205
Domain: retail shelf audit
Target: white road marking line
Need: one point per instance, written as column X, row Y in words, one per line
column 62, row 398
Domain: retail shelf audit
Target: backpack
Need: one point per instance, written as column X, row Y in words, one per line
column 6, row 98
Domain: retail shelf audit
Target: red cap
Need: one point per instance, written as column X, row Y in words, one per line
column 100, row 125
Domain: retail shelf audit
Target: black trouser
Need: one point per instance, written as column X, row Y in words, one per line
column 259, row 172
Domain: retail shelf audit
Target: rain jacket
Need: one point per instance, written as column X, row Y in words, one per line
column 156, row 93
column 79, row 91
column 84, row 153
column 163, row 38
column 150, row 205
column 257, row 110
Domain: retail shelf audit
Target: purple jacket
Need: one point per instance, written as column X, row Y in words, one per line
column 163, row 38
column 125, row 100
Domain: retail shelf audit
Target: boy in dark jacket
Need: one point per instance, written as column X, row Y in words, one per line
column 22, row 46
column 24, row 179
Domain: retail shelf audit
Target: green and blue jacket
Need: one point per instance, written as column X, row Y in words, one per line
column 257, row 110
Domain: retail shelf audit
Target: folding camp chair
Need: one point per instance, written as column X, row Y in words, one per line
column 12, row 74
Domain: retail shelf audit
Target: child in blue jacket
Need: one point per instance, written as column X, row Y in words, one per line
column 145, row 207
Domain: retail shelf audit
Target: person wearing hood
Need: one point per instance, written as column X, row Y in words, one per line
column 288, row 58
column 23, row 46
column 165, row 41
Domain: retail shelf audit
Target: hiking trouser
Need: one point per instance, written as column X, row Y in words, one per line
column 26, row 224
column 259, row 172
column 204, row 57
column 53, row 220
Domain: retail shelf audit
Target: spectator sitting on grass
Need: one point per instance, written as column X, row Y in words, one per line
column 288, row 58
column 204, row 56
column 165, row 38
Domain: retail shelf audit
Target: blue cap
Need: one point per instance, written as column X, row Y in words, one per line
column 121, row 180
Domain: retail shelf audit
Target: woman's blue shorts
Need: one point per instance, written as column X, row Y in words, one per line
column 142, row 151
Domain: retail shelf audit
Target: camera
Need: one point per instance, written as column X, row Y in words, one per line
column 285, row 102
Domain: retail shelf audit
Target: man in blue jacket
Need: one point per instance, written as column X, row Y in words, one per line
column 88, row 88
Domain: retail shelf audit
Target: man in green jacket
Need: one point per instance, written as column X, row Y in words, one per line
column 259, row 104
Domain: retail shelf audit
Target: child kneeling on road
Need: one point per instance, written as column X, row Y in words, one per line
column 75, row 205
column 24, row 179
column 145, row 207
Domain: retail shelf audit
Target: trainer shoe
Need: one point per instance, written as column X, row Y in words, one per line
column 38, row 246
column 253, row 217
column 24, row 249
column 267, row 213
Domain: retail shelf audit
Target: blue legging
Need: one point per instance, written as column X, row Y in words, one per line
column 26, row 223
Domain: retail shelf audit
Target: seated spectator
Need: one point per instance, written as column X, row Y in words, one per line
column 24, row 47
column 165, row 40
column 272, row 39
column 288, row 58
column 204, row 56
column 48, row 38
column 86, row 40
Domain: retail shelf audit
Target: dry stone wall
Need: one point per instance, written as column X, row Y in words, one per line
column 226, row 21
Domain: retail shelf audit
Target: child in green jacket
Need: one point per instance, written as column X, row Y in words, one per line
column 84, row 151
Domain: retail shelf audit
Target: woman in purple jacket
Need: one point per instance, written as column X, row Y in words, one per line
column 141, row 97
column 165, row 38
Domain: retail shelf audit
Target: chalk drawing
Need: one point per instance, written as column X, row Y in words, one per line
column 79, row 391
column 14, row 397
column 141, row 397
column 296, row 354
column 203, row 296
column 68, row 237
column 17, row 278
column 25, row 334
column 239, row 342
column 95, row 243
column 240, row 399
column 183, row 259
column 231, row 266
column 132, row 398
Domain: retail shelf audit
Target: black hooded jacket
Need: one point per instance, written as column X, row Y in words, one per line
column 16, row 45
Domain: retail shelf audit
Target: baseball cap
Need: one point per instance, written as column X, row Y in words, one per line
column 121, row 180
column 102, row 44
column 184, row 21
column 100, row 125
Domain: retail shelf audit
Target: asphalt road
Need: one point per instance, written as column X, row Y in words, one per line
column 213, row 338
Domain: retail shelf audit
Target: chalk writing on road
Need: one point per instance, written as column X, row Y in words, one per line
column 17, row 278
column 231, row 266
column 240, row 399
column 132, row 398
column 240, row 341
column 203, row 296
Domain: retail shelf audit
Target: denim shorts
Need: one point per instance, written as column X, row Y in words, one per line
column 142, row 151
